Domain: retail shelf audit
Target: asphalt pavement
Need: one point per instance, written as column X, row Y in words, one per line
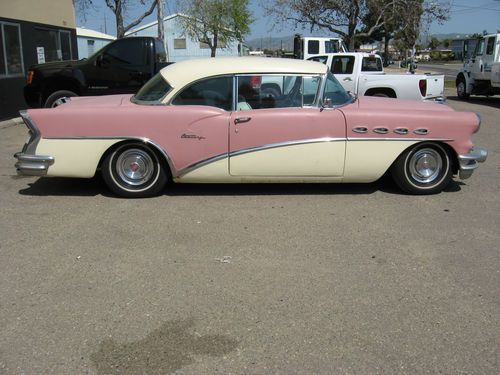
column 251, row 279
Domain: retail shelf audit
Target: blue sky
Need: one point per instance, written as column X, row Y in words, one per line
column 466, row 16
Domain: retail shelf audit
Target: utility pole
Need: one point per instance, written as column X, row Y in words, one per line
column 160, row 5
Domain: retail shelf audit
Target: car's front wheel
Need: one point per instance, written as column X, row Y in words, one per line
column 134, row 171
column 423, row 169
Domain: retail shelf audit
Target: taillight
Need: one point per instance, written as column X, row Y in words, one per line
column 255, row 82
column 422, row 85
column 31, row 73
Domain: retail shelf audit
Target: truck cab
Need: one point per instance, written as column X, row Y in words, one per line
column 479, row 73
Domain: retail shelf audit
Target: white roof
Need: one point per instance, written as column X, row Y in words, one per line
column 155, row 23
column 184, row 72
column 88, row 33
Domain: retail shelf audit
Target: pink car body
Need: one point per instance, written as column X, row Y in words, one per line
column 356, row 141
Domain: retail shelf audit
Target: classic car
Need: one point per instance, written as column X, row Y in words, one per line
column 208, row 121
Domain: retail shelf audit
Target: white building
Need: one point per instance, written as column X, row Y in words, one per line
column 179, row 45
column 90, row 41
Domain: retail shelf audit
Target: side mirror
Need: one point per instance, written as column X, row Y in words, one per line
column 327, row 103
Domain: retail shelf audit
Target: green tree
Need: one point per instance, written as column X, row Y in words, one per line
column 434, row 43
column 216, row 22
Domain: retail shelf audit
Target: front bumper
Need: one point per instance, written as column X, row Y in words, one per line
column 470, row 161
column 33, row 165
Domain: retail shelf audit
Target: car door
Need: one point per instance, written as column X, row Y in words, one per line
column 285, row 136
column 343, row 68
column 477, row 69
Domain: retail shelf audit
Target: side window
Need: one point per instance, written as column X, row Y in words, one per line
column 343, row 64
column 276, row 91
column 371, row 64
column 313, row 46
column 321, row 59
column 331, row 46
column 126, row 51
column 490, row 46
column 213, row 92
column 479, row 48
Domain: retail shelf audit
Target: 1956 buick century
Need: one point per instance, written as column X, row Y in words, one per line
column 224, row 120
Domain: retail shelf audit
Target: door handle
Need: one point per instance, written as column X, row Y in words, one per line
column 241, row 120
column 347, row 79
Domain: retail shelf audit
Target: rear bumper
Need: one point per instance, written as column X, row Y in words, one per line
column 33, row 165
column 470, row 161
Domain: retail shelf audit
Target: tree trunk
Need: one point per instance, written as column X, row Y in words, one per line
column 214, row 45
column 120, row 30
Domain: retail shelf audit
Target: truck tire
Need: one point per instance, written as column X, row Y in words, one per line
column 462, row 88
column 52, row 100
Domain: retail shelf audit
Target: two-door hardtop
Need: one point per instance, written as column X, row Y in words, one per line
column 213, row 120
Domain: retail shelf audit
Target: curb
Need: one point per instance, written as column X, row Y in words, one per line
column 12, row 122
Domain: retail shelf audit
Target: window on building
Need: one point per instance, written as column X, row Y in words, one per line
column 204, row 45
column 180, row 43
column 11, row 58
column 56, row 45
column 90, row 47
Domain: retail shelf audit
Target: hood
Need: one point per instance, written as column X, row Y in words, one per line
column 391, row 104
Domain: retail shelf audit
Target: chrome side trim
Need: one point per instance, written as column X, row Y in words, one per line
column 35, row 135
column 399, row 139
column 33, row 165
column 129, row 138
column 213, row 159
column 284, row 144
column 469, row 162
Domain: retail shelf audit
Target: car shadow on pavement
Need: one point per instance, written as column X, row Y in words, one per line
column 95, row 186
column 489, row 101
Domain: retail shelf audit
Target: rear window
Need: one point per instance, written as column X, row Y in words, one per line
column 153, row 91
column 371, row 64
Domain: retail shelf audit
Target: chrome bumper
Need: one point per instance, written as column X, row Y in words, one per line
column 33, row 165
column 470, row 161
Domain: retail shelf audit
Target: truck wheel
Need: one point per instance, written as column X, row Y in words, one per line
column 54, row 99
column 462, row 88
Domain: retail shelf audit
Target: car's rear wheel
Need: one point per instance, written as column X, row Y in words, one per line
column 134, row 171
column 57, row 98
column 423, row 169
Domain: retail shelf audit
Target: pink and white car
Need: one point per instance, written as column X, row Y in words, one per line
column 204, row 121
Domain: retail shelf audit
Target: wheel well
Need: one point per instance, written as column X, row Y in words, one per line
column 381, row 90
column 60, row 84
column 159, row 152
column 449, row 150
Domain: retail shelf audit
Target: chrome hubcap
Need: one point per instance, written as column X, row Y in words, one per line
column 425, row 165
column 135, row 167
column 461, row 88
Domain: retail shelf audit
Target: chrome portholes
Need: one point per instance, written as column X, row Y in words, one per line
column 425, row 165
column 401, row 131
column 421, row 131
column 360, row 129
column 135, row 166
column 381, row 130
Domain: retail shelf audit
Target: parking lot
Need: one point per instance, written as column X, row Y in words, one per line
column 255, row 279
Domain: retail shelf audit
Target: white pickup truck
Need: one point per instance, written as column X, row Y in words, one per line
column 481, row 74
column 363, row 74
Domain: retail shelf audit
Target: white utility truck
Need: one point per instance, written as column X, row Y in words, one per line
column 481, row 73
column 305, row 47
column 363, row 74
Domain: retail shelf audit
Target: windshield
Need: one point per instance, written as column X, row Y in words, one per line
column 335, row 92
column 153, row 90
